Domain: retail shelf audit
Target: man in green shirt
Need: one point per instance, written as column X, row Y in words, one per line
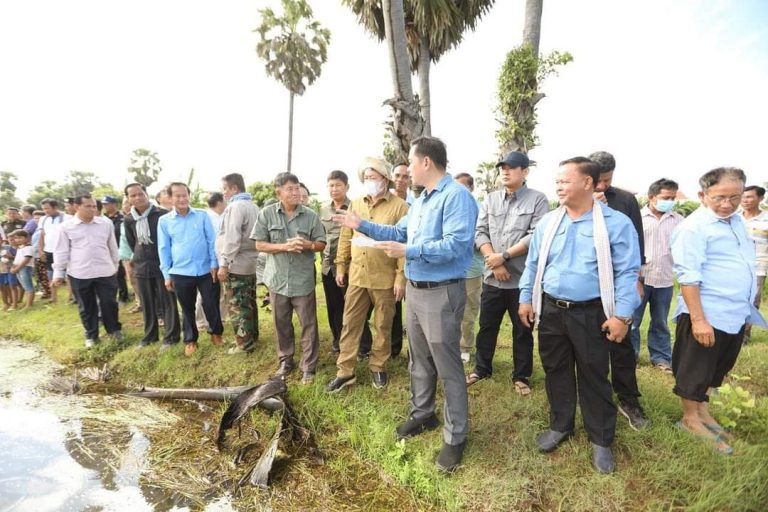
column 290, row 234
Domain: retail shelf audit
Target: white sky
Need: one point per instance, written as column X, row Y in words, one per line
column 671, row 88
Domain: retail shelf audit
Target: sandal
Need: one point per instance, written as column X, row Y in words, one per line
column 718, row 442
column 664, row 368
column 521, row 388
column 473, row 377
column 719, row 431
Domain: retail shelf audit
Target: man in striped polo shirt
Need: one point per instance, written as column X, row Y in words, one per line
column 656, row 274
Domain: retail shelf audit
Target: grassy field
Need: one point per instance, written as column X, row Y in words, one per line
column 365, row 468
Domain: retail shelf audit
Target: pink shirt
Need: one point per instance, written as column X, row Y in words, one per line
column 85, row 250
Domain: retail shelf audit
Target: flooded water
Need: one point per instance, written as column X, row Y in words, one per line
column 78, row 452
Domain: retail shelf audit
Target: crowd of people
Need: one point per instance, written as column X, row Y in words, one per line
column 583, row 273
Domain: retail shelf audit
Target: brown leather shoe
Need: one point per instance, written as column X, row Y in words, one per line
column 216, row 339
column 190, row 348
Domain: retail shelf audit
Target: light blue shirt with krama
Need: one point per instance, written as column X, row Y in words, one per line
column 439, row 232
column 186, row 244
column 717, row 256
column 571, row 271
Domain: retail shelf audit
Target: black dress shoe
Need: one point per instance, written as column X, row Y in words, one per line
column 415, row 426
column 379, row 379
column 602, row 458
column 450, row 457
column 550, row 439
column 286, row 367
column 339, row 383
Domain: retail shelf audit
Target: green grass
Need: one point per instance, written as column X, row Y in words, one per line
column 658, row 469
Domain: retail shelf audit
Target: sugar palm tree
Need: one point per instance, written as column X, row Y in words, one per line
column 294, row 47
column 432, row 27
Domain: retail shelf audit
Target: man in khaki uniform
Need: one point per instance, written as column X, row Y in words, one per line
column 373, row 278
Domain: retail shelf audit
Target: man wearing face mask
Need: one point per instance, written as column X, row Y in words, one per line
column 656, row 275
column 715, row 266
column 372, row 277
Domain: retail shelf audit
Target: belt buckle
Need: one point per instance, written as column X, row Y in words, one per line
column 562, row 304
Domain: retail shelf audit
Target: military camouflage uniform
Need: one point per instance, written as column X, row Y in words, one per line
column 242, row 310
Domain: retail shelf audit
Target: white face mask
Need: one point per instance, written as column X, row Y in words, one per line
column 373, row 188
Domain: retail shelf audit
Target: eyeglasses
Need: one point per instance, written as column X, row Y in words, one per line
column 723, row 199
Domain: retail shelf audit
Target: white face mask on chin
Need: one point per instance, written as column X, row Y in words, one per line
column 373, row 188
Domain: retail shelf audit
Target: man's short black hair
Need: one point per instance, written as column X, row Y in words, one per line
column 760, row 191
column 30, row 209
column 585, row 166
column 79, row 199
column 285, row 177
column 433, row 148
column 215, row 198
column 169, row 188
column 19, row 232
column 235, row 180
column 604, row 159
column 714, row 176
column 467, row 176
column 53, row 203
column 338, row 175
column 663, row 184
column 131, row 185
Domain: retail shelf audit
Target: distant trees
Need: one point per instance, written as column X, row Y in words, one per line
column 8, row 191
column 261, row 192
column 294, row 47
column 145, row 166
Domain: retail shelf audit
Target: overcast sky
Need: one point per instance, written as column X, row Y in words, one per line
column 672, row 88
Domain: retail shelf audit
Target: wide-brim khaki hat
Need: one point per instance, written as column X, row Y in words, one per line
column 379, row 165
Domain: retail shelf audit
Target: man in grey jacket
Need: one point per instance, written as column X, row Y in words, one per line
column 237, row 261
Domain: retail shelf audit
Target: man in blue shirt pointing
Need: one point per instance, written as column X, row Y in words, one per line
column 188, row 262
column 579, row 282
column 437, row 240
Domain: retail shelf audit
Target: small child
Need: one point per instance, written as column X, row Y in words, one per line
column 8, row 280
column 23, row 263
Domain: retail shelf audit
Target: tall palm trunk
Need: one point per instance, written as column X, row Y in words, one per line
column 407, row 123
column 532, row 28
column 290, row 132
column 425, row 100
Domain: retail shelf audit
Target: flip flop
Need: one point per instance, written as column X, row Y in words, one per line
column 718, row 442
column 718, row 430
column 521, row 388
column 473, row 377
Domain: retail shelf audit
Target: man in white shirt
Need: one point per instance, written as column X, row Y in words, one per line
column 49, row 234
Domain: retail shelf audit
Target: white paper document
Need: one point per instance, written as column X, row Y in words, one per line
column 364, row 241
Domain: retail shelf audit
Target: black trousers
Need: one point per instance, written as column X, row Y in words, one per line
column 122, row 285
column 698, row 368
column 574, row 353
column 187, row 288
column 334, row 302
column 92, row 294
column 623, row 371
column 366, row 340
column 494, row 304
column 153, row 295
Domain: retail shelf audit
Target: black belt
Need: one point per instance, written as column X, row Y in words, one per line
column 432, row 284
column 569, row 304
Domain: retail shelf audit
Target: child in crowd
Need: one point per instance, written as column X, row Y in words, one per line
column 23, row 263
column 8, row 280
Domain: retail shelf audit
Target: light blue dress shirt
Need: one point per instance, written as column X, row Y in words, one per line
column 186, row 244
column 439, row 233
column 571, row 271
column 717, row 256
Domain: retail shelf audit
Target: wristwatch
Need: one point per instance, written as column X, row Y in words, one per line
column 626, row 319
column 506, row 256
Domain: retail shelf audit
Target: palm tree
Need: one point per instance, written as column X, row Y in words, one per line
column 291, row 58
column 432, row 27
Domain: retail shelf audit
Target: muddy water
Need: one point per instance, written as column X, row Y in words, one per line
column 74, row 452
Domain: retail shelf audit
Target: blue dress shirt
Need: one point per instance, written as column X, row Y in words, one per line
column 185, row 244
column 717, row 256
column 571, row 271
column 439, row 233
